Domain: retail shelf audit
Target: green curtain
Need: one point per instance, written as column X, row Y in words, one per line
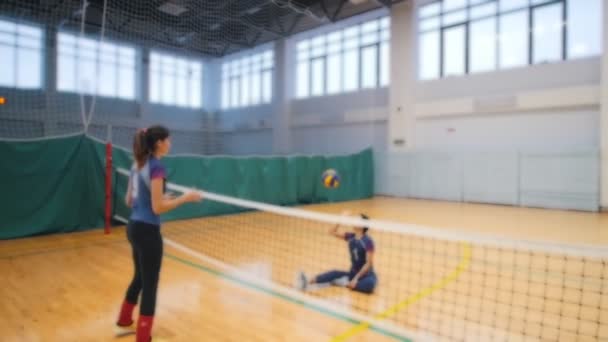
column 58, row 185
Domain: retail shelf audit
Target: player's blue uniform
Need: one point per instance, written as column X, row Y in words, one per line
column 358, row 249
column 141, row 191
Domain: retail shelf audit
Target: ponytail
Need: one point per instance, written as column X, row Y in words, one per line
column 140, row 148
column 144, row 143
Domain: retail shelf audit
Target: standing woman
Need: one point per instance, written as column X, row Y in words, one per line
column 146, row 198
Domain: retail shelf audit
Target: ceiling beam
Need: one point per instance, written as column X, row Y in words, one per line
column 386, row 3
column 338, row 10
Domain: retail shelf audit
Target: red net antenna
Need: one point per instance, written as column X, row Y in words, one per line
column 108, row 202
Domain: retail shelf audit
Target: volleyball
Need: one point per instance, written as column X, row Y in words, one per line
column 331, row 179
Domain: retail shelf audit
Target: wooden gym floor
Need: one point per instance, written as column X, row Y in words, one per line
column 68, row 287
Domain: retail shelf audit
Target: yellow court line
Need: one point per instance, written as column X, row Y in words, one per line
column 462, row 265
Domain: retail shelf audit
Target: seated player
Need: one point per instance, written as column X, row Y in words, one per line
column 361, row 276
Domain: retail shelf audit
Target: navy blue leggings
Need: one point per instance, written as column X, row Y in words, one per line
column 366, row 284
column 147, row 245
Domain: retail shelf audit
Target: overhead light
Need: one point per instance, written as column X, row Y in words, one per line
column 253, row 10
column 172, row 8
column 214, row 27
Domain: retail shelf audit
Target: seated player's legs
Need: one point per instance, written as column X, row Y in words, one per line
column 330, row 277
column 367, row 283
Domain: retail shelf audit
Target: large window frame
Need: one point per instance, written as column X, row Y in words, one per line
column 433, row 17
column 82, row 52
column 348, row 45
column 247, row 80
column 21, row 39
column 181, row 76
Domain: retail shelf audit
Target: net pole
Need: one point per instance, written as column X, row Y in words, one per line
column 108, row 201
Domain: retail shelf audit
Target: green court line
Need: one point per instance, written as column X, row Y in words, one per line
column 285, row 297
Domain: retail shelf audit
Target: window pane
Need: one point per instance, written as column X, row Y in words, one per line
column 29, row 31
column 539, row 2
column 66, row 74
column 507, row 5
column 547, row 33
column 385, row 22
column 234, row 92
column 107, row 79
column 154, row 86
column 454, row 18
column 429, row 10
column 268, row 59
column 385, row 64
column 25, row 41
column 7, row 57
column 429, row 24
column 369, row 67
column 8, row 26
column 334, row 73
column 369, row 38
column 453, row 4
column 334, row 42
column 514, row 39
column 483, row 10
column 195, row 93
column 28, row 68
column 428, row 57
column 267, row 86
column 182, row 92
column 7, row 38
column 351, row 70
column 245, row 86
column 126, row 85
column 370, row 26
column 168, row 86
column 302, row 78
column 303, row 50
column 256, row 89
column 225, row 94
column 318, row 77
column 584, row 28
column 483, row 45
column 454, row 51
column 86, row 76
column 318, row 46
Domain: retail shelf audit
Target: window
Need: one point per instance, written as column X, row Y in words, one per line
column 482, row 47
column 344, row 60
column 20, row 55
column 95, row 68
column 467, row 36
column 247, row 81
column 429, row 55
column 454, row 51
column 547, row 33
column 584, row 28
column 514, row 39
column 175, row 81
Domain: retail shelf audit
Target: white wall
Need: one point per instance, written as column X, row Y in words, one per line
column 339, row 139
column 541, row 129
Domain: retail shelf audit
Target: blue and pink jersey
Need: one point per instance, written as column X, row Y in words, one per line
column 141, row 193
column 358, row 249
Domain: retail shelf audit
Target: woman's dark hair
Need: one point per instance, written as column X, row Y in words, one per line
column 144, row 143
column 365, row 217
